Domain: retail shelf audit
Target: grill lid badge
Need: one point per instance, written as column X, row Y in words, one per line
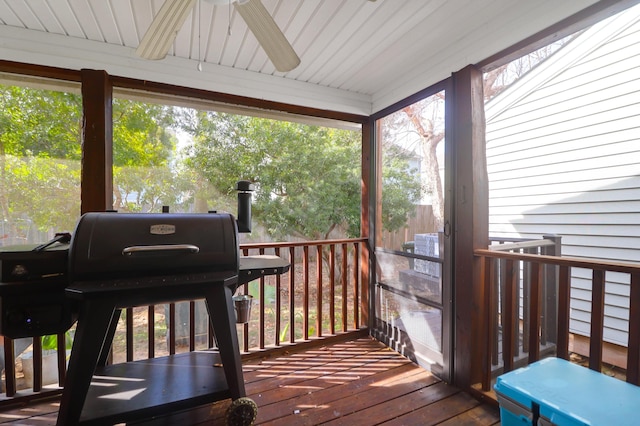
column 162, row 229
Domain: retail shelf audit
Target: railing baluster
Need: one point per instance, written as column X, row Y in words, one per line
column 564, row 304
column 278, row 303
column 332, row 284
column 516, row 309
column 486, row 274
column 129, row 333
column 305, row 295
column 262, row 309
column 633, row 354
column 37, row 364
column 597, row 320
column 508, row 315
column 535, row 309
column 345, row 319
column 151, row 322
column 495, row 307
column 319, row 291
column 245, row 326
column 356, row 285
column 551, row 288
column 526, row 303
column 292, row 295
column 62, row 358
column 172, row 328
column 9, row 368
column 495, row 315
column 192, row 325
column 503, row 301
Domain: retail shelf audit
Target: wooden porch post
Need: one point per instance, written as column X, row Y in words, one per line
column 471, row 223
column 96, row 193
column 365, row 257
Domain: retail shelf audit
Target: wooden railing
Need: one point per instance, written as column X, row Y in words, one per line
column 323, row 294
column 509, row 320
column 519, row 277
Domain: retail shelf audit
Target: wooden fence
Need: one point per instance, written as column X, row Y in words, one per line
column 422, row 223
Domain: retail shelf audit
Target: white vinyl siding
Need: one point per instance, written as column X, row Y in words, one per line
column 563, row 157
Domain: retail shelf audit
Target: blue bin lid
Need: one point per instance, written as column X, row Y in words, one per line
column 569, row 394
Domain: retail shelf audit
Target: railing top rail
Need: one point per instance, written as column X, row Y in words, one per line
column 522, row 245
column 303, row 243
column 596, row 264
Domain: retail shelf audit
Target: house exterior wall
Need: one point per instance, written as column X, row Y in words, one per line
column 563, row 157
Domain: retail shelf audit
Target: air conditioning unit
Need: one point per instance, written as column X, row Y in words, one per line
column 427, row 245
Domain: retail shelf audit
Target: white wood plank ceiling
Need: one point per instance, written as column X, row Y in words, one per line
column 357, row 56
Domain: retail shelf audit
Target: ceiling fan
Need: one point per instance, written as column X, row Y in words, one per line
column 165, row 26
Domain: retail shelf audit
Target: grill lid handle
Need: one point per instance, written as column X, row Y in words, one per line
column 160, row 249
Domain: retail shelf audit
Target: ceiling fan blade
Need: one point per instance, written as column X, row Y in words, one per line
column 163, row 29
column 268, row 34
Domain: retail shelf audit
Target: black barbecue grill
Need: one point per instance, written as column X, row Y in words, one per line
column 123, row 260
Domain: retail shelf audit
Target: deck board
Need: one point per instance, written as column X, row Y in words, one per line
column 359, row 382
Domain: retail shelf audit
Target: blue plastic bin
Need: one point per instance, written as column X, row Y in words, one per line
column 556, row 392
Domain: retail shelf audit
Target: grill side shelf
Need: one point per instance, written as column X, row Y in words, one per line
column 254, row 267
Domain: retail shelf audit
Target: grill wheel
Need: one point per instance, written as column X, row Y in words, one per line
column 242, row 412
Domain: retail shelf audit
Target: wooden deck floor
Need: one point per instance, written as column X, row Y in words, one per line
column 358, row 382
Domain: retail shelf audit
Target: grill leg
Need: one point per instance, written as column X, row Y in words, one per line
column 93, row 324
column 220, row 307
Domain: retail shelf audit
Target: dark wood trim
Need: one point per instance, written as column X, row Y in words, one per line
column 365, row 216
column 471, row 223
column 367, row 178
column 376, row 204
column 374, row 207
column 572, row 262
column 576, row 22
column 448, row 323
column 187, row 92
column 20, row 68
column 96, row 192
column 424, row 93
column 40, row 71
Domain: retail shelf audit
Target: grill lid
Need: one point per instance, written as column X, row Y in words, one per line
column 121, row 245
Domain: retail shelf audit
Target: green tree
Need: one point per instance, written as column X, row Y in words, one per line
column 40, row 152
column 308, row 178
column 142, row 134
column 146, row 175
column 402, row 188
column 40, row 123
